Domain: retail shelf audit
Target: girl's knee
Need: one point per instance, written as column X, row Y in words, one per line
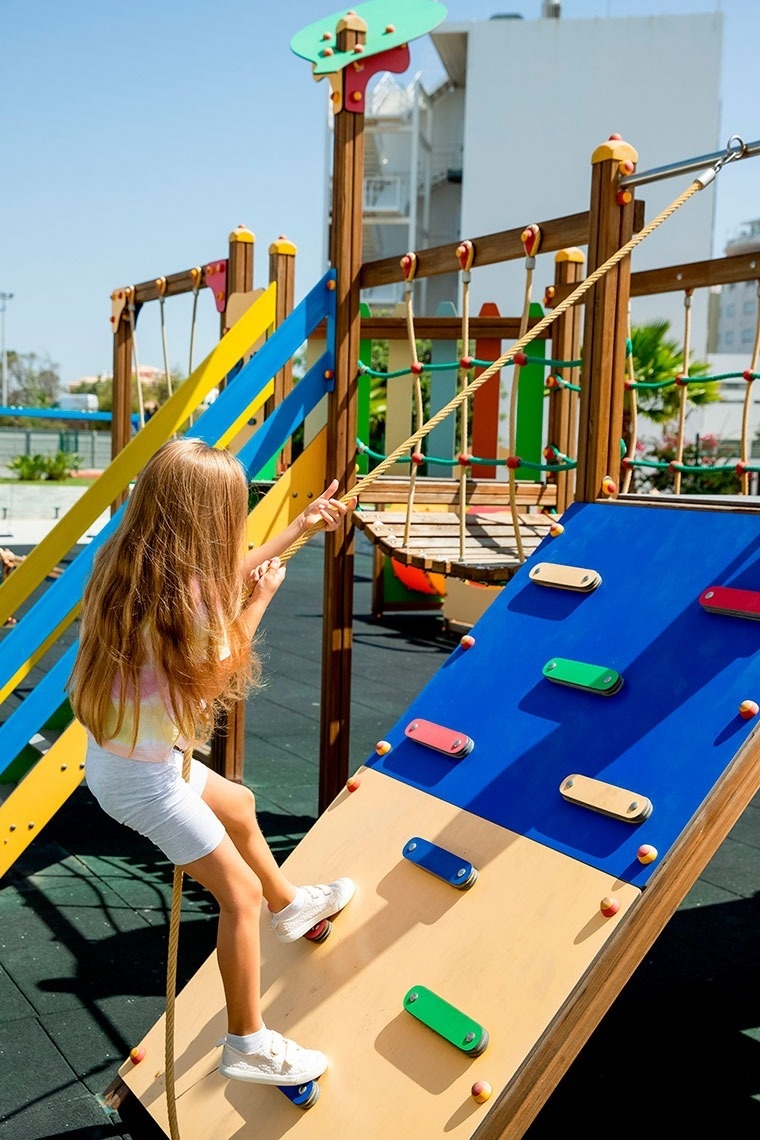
column 242, row 809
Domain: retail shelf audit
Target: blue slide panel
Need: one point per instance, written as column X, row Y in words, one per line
column 284, row 420
column 668, row 734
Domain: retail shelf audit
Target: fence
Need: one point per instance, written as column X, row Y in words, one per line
column 93, row 446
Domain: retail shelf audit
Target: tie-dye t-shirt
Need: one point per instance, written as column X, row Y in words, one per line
column 157, row 735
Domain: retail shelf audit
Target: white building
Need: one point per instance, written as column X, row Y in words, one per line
column 737, row 318
column 506, row 138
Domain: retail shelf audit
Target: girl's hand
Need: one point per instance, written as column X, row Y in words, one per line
column 326, row 509
column 265, row 579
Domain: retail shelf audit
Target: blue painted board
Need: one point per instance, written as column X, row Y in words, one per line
column 670, row 732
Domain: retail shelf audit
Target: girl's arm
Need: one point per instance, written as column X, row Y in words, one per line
column 264, row 581
column 324, row 509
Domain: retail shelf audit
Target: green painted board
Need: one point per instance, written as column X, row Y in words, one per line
column 581, row 675
column 408, row 19
column 446, row 1020
column 531, row 392
column 441, row 441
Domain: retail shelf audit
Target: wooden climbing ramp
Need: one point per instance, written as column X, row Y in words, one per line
column 519, row 839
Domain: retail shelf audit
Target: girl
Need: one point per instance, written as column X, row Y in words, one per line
column 168, row 615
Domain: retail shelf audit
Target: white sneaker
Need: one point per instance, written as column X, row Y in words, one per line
column 322, row 901
column 281, row 1062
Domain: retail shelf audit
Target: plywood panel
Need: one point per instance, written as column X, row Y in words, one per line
column 507, row 952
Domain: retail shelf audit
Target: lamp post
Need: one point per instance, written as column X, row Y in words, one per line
column 4, row 299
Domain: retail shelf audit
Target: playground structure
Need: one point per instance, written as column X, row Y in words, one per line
column 572, row 886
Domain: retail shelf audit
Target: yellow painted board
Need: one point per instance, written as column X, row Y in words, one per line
column 317, row 417
column 507, row 953
column 290, row 494
column 37, row 798
column 241, row 429
column 167, row 420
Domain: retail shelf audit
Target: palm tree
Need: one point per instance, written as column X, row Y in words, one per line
column 657, row 360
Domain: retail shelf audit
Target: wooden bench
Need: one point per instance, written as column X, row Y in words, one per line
column 491, row 552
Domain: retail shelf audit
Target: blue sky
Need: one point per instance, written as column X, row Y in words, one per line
column 136, row 136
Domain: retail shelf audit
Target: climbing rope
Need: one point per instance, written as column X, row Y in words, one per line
column 465, row 255
column 409, row 266
column 171, row 981
column 161, row 286
column 682, row 394
column 196, row 275
column 531, row 240
column 749, row 376
column 130, row 292
column 572, row 299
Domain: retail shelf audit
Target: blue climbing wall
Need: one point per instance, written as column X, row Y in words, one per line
column 668, row 734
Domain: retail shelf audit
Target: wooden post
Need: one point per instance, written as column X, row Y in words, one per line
column 121, row 390
column 346, row 257
column 227, row 751
column 606, row 320
column 282, row 272
column 566, row 345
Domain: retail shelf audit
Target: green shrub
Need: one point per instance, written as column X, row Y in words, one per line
column 28, row 467
column 61, row 465
column 32, row 468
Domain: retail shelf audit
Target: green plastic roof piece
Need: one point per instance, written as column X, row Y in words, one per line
column 390, row 23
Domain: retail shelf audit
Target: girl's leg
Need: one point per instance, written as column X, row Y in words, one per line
column 235, row 806
column 238, row 892
column 295, row 910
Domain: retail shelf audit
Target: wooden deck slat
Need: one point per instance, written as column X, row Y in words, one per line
column 490, row 552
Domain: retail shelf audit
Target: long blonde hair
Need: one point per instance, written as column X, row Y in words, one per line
column 166, row 589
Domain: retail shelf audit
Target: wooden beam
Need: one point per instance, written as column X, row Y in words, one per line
column 436, row 328
column 346, row 257
column 606, row 326
column 490, row 249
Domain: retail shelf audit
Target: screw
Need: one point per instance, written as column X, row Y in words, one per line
column 411, row 846
column 412, row 997
column 461, row 872
column 469, row 1037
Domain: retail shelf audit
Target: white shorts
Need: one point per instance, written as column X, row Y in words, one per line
column 153, row 799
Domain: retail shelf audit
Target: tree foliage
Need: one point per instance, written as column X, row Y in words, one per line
column 33, row 381
column 658, row 358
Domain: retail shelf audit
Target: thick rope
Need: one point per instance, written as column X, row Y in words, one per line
column 539, row 328
column 684, row 374
column 132, row 322
column 530, row 264
column 464, row 437
column 171, row 981
column 634, row 409
column 196, row 275
column 167, row 371
column 748, row 399
column 419, row 415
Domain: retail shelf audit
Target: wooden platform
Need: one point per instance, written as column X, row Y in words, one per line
column 491, row 553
